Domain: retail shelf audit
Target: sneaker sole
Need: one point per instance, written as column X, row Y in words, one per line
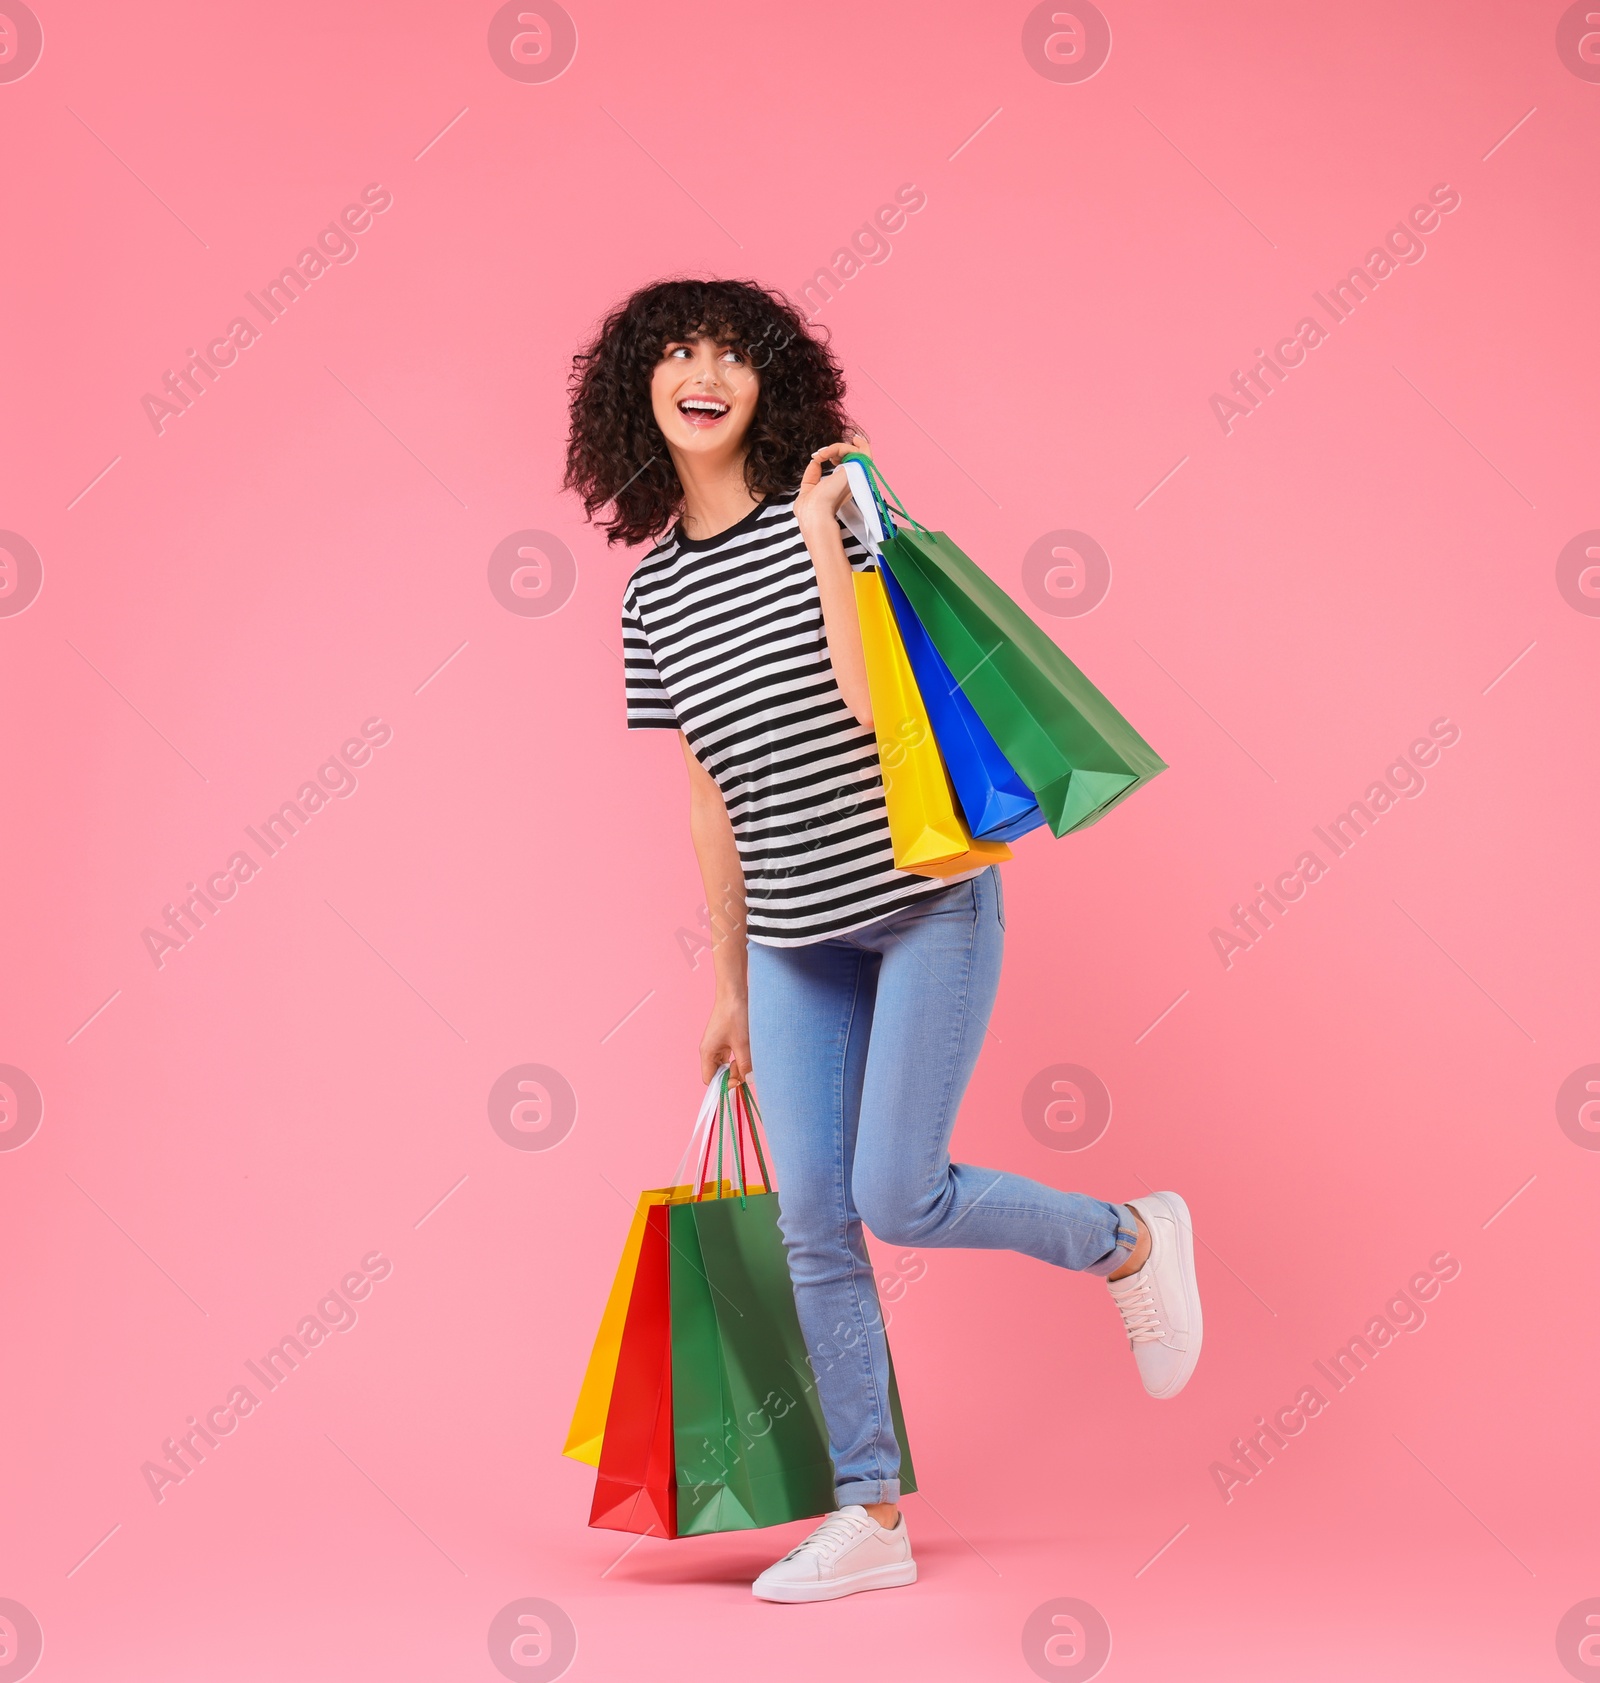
column 1191, row 1293
column 876, row 1577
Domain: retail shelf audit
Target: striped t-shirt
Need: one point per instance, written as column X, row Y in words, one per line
column 723, row 639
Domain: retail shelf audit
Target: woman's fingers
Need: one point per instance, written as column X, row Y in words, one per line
column 811, row 480
column 712, row 1058
column 813, row 473
column 831, row 453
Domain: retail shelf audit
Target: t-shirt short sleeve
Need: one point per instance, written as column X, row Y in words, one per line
column 649, row 705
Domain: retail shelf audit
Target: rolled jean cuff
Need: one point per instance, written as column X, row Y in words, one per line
column 864, row 1490
column 1127, row 1238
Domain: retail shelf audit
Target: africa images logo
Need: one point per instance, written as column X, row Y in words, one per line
column 532, row 42
column 1577, row 570
column 1066, row 42
column 21, row 574
column 21, row 1108
column 21, row 43
column 1578, row 40
column 335, row 779
column 1402, row 779
column 1066, row 1639
column 1402, row 244
column 335, row 1311
column 532, row 1640
column 336, row 243
column 21, row 1640
column 1404, row 1312
column 532, row 1107
column 1066, row 1107
column 1577, row 1106
column 532, row 573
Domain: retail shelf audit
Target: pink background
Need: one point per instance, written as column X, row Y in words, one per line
column 309, row 543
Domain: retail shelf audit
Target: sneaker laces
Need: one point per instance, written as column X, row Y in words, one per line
column 1139, row 1313
column 837, row 1530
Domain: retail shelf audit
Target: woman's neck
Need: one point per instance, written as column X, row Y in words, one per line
column 715, row 495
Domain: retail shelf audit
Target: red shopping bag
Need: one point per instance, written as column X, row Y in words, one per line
column 635, row 1487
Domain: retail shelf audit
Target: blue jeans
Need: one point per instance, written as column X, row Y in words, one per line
column 861, row 1047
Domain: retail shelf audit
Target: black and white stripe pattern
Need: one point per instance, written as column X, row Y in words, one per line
column 723, row 639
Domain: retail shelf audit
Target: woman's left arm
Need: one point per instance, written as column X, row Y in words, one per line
column 816, row 510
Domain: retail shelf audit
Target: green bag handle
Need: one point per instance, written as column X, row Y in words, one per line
column 755, row 1139
column 723, row 1112
column 882, row 486
column 729, row 1116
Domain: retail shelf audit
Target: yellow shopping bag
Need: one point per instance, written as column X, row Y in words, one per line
column 929, row 835
column 594, row 1396
column 588, row 1427
column 587, row 1432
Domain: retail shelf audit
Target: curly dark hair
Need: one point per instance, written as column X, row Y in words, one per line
column 615, row 452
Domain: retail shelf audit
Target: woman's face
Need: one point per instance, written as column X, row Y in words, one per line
column 704, row 397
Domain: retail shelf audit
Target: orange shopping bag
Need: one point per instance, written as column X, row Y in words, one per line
column 585, row 1437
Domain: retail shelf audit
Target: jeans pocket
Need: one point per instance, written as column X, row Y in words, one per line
column 999, row 895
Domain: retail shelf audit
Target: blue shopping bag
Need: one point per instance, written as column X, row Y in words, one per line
column 996, row 803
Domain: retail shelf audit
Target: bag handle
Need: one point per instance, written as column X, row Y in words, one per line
column 864, row 511
column 745, row 1095
column 732, row 1117
column 724, row 1104
column 880, row 487
column 708, row 1107
column 727, row 1111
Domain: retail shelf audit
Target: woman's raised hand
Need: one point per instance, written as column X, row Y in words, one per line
column 822, row 495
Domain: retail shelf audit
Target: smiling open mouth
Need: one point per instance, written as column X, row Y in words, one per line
column 702, row 411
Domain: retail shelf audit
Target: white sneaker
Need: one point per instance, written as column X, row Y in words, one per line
column 1160, row 1304
column 848, row 1552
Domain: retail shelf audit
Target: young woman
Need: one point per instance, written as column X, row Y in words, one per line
column 707, row 418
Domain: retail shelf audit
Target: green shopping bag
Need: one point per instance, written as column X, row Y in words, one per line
column 1069, row 745
column 750, row 1442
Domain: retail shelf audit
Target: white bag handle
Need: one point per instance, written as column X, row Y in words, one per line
column 702, row 1124
column 859, row 511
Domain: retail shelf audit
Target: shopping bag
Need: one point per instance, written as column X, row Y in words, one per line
column 635, row 1488
column 1069, row 745
column 594, row 1396
column 751, row 1444
column 930, row 836
column 996, row 803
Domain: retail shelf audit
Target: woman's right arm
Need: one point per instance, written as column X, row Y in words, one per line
column 727, row 1036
